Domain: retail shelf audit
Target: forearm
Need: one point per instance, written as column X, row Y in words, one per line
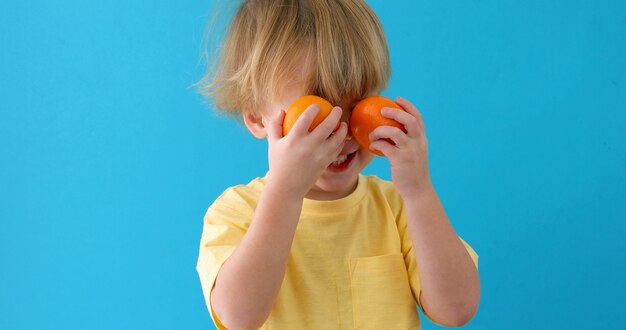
column 449, row 278
column 249, row 281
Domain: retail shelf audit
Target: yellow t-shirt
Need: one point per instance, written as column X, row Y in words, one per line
column 351, row 264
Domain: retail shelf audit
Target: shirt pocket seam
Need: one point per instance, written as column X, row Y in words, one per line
column 385, row 277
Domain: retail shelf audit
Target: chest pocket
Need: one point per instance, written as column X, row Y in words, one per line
column 381, row 295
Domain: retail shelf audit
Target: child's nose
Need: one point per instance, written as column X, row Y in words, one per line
column 345, row 117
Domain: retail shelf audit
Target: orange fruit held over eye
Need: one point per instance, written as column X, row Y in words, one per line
column 366, row 117
column 301, row 104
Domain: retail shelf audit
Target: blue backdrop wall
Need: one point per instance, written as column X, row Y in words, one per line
column 109, row 159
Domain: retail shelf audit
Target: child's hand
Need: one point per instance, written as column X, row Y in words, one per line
column 297, row 160
column 409, row 157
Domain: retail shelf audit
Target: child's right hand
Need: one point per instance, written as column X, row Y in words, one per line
column 297, row 160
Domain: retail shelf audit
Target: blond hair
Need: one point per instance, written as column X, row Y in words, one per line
column 267, row 39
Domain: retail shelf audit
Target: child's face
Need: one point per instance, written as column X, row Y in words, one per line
column 338, row 180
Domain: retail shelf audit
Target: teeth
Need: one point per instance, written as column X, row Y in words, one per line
column 340, row 160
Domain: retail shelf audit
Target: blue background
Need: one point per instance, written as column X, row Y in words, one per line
column 109, row 158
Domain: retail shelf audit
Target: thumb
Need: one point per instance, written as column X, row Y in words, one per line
column 275, row 127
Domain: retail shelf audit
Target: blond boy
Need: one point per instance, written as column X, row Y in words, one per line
column 314, row 244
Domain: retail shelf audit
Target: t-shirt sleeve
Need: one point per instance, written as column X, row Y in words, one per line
column 413, row 271
column 224, row 227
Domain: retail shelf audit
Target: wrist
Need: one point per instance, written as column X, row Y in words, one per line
column 418, row 191
column 284, row 189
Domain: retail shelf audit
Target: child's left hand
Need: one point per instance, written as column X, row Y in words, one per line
column 409, row 157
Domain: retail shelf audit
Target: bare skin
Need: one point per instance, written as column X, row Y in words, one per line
column 449, row 279
column 257, row 267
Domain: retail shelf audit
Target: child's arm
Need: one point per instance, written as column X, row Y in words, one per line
column 450, row 287
column 449, row 279
column 248, row 282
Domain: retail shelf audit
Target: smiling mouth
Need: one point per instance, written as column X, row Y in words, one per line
column 342, row 162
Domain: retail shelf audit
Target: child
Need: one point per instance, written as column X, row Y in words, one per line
column 314, row 244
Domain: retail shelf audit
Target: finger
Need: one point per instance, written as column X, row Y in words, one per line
column 339, row 135
column 275, row 127
column 327, row 126
column 303, row 123
column 411, row 109
column 384, row 146
column 389, row 132
column 336, row 142
column 407, row 120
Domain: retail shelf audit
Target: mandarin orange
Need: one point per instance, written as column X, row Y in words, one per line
column 366, row 117
column 297, row 108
